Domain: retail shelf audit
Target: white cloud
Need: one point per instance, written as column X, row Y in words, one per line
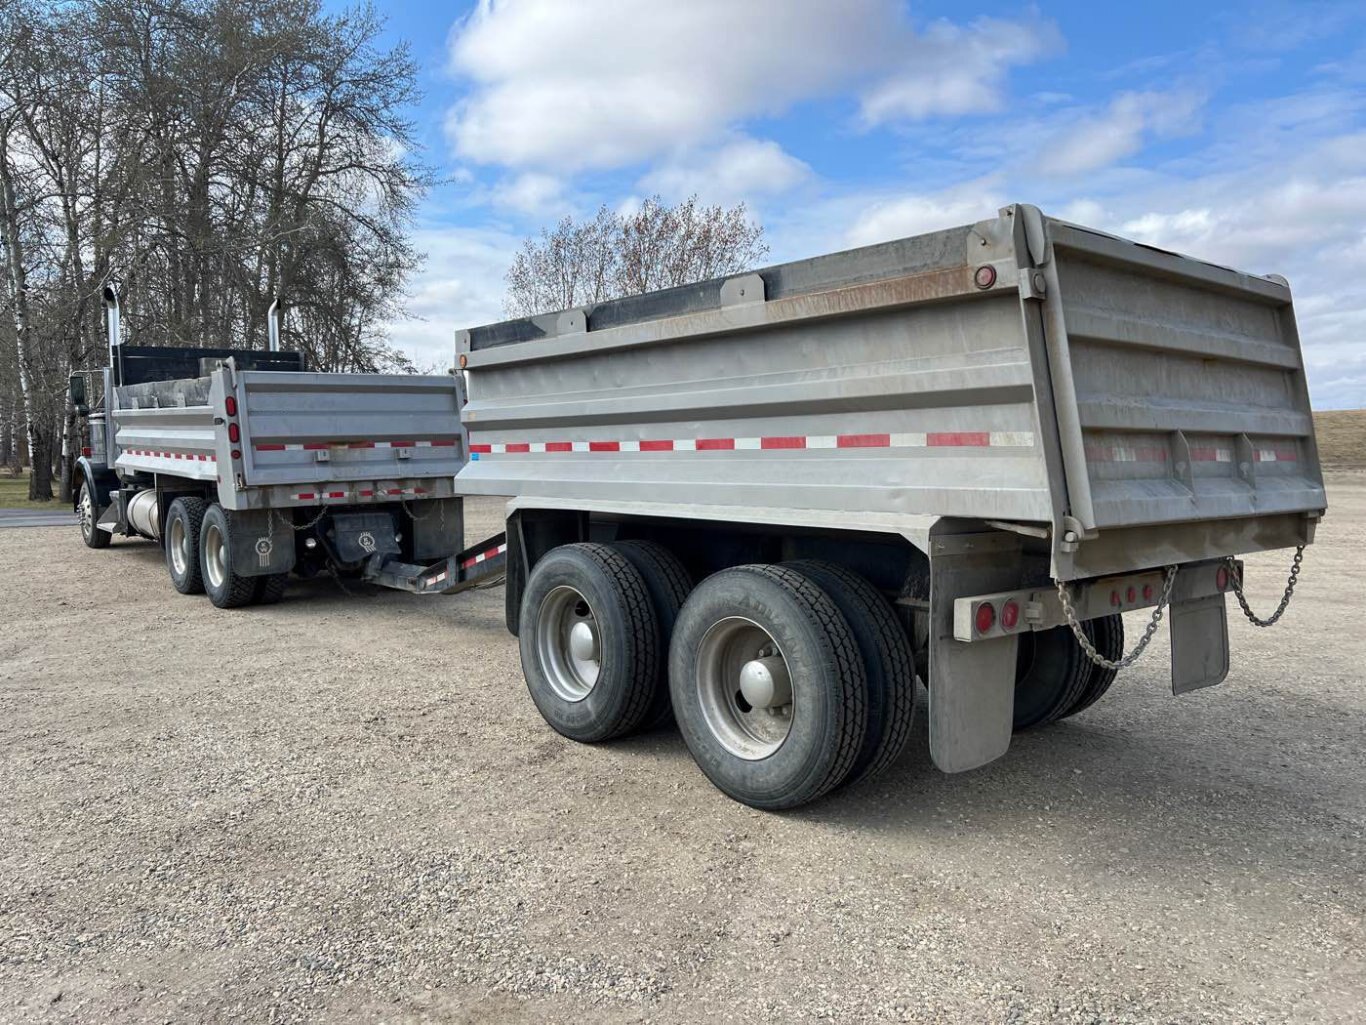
column 739, row 169
column 900, row 216
column 1120, row 130
column 461, row 286
column 609, row 83
column 529, row 193
column 958, row 70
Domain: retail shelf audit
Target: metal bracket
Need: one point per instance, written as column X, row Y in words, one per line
column 1033, row 284
column 747, row 288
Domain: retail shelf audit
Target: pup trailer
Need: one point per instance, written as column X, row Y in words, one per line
column 766, row 504
column 770, row 506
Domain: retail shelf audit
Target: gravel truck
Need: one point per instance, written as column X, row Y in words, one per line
column 247, row 468
column 766, row 505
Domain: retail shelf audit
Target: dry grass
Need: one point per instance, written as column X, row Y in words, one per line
column 1342, row 438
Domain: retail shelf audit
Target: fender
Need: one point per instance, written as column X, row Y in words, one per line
column 100, row 481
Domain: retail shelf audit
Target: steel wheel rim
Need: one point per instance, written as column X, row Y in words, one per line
column 215, row 559
column 179, row 545
column 571, row 673
column 87, row 513
column 726, row 647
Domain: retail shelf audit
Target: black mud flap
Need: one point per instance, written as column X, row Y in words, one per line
column 360, row 536
column 262, row 543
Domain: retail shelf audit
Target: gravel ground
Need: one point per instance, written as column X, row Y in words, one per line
column 346, row 808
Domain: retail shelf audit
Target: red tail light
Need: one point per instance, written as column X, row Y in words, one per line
column 1010, row 615
column 86, row 451
column 234, row 433
column 1221, row 578
column 986, row 617
column 231, row 404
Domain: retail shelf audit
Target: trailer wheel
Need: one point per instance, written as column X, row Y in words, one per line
column 181, row 537
column 669, row 585
column 225, row 588
column 887, row 662
column 271, row 588
column 1107, row 634
column 768, row 686
column 87, row 513
column 1051, row 675
column 589, row 640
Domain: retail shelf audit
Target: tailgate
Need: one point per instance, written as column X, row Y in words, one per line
column 1189, row 400
column 306, row 428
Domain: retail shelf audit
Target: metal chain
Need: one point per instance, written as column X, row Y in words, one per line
column 1236, row 579
column 300, row 526
column 1090, row 649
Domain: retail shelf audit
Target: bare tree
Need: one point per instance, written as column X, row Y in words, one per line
column 615, row 254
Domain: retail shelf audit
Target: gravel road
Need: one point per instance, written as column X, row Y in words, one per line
column 346, row 808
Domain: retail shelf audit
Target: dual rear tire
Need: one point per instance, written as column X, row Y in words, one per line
column 786, row 681
column 197, row 539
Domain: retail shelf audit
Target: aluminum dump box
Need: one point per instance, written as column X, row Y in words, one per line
column 1134, row 406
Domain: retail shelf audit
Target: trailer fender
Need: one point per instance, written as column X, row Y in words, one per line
column 972, row 685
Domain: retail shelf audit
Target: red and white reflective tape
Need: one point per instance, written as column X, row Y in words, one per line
column 189, row 457
column 1127, row 453
column 320, row 446
column 1199, row 454
column 768, row 443
column 335, row 495
column 475, row 560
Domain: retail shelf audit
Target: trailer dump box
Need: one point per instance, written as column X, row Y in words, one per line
column 1138, row 406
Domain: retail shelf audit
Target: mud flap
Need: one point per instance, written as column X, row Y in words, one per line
column 261, row 543
column 1199, row 631
column 972, row 685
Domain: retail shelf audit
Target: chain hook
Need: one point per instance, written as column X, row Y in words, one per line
column 1090, row 649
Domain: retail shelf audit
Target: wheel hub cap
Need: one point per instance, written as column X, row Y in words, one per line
column 745, row 688
column 583, row 641
column 764, row 682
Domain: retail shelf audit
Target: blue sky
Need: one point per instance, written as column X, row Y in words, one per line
column 1234, row 132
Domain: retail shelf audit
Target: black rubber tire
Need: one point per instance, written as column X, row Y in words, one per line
column 271, row 588
column 1107, row 634
column 888, row 664
column 96, row 538
column 830, row 710
column 628, row 641
column 1051, row 675
column 191, row 511
column 669, row 584
column 236, row 591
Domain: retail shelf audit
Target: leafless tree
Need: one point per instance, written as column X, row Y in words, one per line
column 616, row 254
column 212, row 154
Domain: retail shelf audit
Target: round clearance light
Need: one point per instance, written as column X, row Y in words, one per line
column 985, row 617
column 1147, row 592
column 1010, row 615
column 985, row 277
column 1114, row 598
column 464, row 361
column 1131, row 595
column 234, row 433
column 1221, row 578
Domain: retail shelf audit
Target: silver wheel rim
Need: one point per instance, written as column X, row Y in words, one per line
column 180, row 547
column 745, row 731
column 87, row 513
column 570, row 661
column 215, row 558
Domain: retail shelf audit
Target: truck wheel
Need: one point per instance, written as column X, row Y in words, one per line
column 887, row 663
column 768, row 686
column 271, row 588
column 589, row 641
column 181, row 536
column 1107, row 634
column 669, row 584
column 225, row 588
column 1051, row 675
column 88, row 513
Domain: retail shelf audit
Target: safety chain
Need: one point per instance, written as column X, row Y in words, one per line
column 300, row 526
column 1142, row 644
column 1237, row 580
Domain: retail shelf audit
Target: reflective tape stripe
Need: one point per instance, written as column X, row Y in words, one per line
column 318, row 446
column 483, row 556
column 767, row 443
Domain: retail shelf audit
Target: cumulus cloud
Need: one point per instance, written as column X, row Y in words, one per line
column 608, row 83
column 739, row 169
column 899, row 216
column 529, row 193
column 1120, row 130
column 953, row 69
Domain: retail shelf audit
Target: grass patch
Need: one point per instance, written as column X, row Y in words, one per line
column 14, row 494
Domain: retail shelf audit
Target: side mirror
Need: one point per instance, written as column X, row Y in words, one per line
column 76, row 386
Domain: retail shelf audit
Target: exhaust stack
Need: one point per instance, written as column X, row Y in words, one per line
column 273, row 324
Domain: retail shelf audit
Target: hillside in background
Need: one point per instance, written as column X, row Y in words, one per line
column 1342, row 437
